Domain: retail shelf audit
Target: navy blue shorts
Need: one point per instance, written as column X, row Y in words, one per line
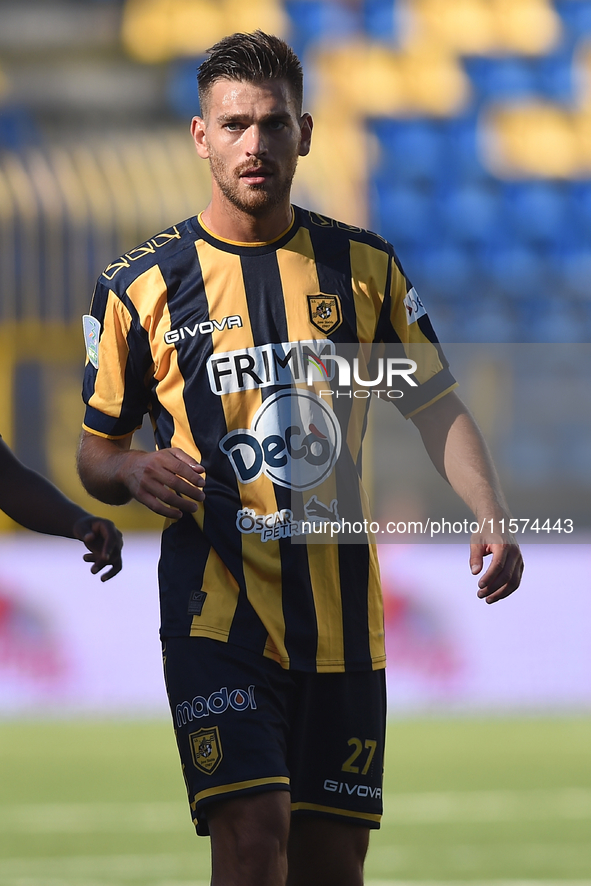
column 244, row 725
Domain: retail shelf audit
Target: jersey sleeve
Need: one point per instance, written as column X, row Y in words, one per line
column 404, row 322
column 118, row 357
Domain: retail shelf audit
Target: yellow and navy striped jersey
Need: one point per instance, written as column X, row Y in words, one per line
column 215, row 339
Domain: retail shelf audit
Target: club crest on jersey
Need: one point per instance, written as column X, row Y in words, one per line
column 206, row 749
column 325, row 312
column 294, row 440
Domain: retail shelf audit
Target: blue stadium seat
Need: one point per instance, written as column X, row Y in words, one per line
column 530, row 457
column 501, row 78
column 507, row 79
column 17, row 128
column 554, row 76
column 538, row 212
column 516, row 269
column 585, row 315
column 574, row 270
column 557, row 321
column 488, row 321
column 403, row 215
column 379, row 19
column 576, row 15
column 461, row 159
column 447, row 269
column 181, row 87
column 579, row 198
column 314, row 20
column 471, row 213
column 410, row 150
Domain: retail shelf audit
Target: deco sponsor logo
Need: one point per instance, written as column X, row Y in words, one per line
column 294, row 440
column 217, row 703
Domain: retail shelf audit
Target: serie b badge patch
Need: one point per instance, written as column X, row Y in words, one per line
column 92, row 334
column 206, row 749
column 325, row 312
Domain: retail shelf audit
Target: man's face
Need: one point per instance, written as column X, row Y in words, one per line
column 252, row 135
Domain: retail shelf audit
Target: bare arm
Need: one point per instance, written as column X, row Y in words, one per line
column 34, row 502
column 169, row 481
column 458, row 451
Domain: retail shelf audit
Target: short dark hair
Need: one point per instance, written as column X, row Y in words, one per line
column 254, row 58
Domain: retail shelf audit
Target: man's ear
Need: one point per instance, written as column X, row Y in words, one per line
column 306, row 125
column 199, row 137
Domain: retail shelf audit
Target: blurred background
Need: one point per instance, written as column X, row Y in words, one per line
column 461, row 131
column 458, row 129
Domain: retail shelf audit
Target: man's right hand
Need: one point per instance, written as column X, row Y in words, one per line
column 169, row 481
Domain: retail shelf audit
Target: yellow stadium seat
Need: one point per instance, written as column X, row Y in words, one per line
column 543, row 140
column 434, row 82
column 265, row 14
column 582, row 130
column 420, row 80
column 159, row 30
column 377, row 85
column 464, row 26
column 485, row 27
column 531, row 140
column 527, row 27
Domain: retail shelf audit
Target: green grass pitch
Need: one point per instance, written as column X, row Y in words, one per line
column 495, row 801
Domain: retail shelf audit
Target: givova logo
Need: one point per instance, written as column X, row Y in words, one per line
column 217, row 703
column 294, row 439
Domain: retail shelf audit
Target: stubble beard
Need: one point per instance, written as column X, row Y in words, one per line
column 255, row 200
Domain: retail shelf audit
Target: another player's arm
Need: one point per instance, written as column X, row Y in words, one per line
column 35, row 503
column 168, row 481
column 458, row 451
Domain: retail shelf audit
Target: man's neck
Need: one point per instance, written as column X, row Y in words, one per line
column 230, row 223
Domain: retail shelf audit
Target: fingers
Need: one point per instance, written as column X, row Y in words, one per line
column 104, row 542
column 476, row 559
column 166, row 500
column 186, row 458
column 503, row 575
column 169, row 482
column 114, row 563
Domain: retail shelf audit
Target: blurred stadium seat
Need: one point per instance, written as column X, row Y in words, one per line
column 159, row 30
column 537, row 212
column 458, row 124
column 458, row 129
column 409, row 150
column 471, row 213
column 475, row 111
column 407, row 216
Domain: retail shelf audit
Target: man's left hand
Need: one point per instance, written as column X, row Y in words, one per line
column 503, row 575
